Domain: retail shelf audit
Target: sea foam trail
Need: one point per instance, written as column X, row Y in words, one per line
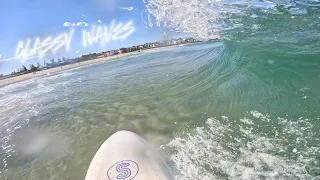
column 254, row 147
column 209, row 19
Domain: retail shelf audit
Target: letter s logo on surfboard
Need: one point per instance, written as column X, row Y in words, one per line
column 123, row 170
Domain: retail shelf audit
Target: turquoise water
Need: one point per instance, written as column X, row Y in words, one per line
column 213, row 111
column 246, row 107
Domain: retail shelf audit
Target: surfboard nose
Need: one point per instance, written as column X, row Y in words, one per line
column 126, row 155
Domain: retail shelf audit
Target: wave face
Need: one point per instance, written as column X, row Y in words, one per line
column 223, row 110
column 262, row 85
column 264, row 104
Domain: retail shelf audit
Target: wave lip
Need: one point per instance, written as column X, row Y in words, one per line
column 211, row 19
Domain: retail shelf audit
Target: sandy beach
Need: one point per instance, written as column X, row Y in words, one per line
column 20, row 78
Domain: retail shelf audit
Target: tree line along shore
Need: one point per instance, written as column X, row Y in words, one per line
column 60, row 62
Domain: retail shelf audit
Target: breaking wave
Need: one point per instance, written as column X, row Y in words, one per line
column 209, row 19
column 255, row 147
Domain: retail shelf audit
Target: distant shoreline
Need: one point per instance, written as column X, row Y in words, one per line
column 16, row 79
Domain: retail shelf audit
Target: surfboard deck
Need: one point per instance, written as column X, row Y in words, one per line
column 125, row 155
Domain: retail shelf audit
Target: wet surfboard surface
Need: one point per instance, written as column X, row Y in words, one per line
column 125, row 156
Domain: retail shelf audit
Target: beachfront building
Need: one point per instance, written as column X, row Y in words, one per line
column 149, row 45
column 114, row 52
column 86, row 57
column 124, row 50
column 106, row 54
column 133, row 48
column 100, row 55
column 52, row 64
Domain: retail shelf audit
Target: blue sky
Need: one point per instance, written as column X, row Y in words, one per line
column 22, row 19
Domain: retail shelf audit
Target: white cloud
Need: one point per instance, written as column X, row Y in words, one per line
column 0, row 56
column 75, row 24
column 77, row 51
column 79, row 23
column 83, row 15
column 66, row 24
column 99, row 21
column 2, row 60
column 127, row 8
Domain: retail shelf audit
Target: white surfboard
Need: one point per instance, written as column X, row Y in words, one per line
column 125, row 156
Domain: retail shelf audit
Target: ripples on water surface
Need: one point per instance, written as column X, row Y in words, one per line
column 244, row 108
column 215, row 111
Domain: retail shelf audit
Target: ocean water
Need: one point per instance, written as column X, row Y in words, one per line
column 214, row 111
column 246, row 107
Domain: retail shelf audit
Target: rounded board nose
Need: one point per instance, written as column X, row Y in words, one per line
column 126, row 155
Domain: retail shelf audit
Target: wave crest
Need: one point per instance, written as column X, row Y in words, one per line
column 210, row 19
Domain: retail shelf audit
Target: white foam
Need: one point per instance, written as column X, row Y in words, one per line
column 207, row 19
column 222, row 151
column 64, row 74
